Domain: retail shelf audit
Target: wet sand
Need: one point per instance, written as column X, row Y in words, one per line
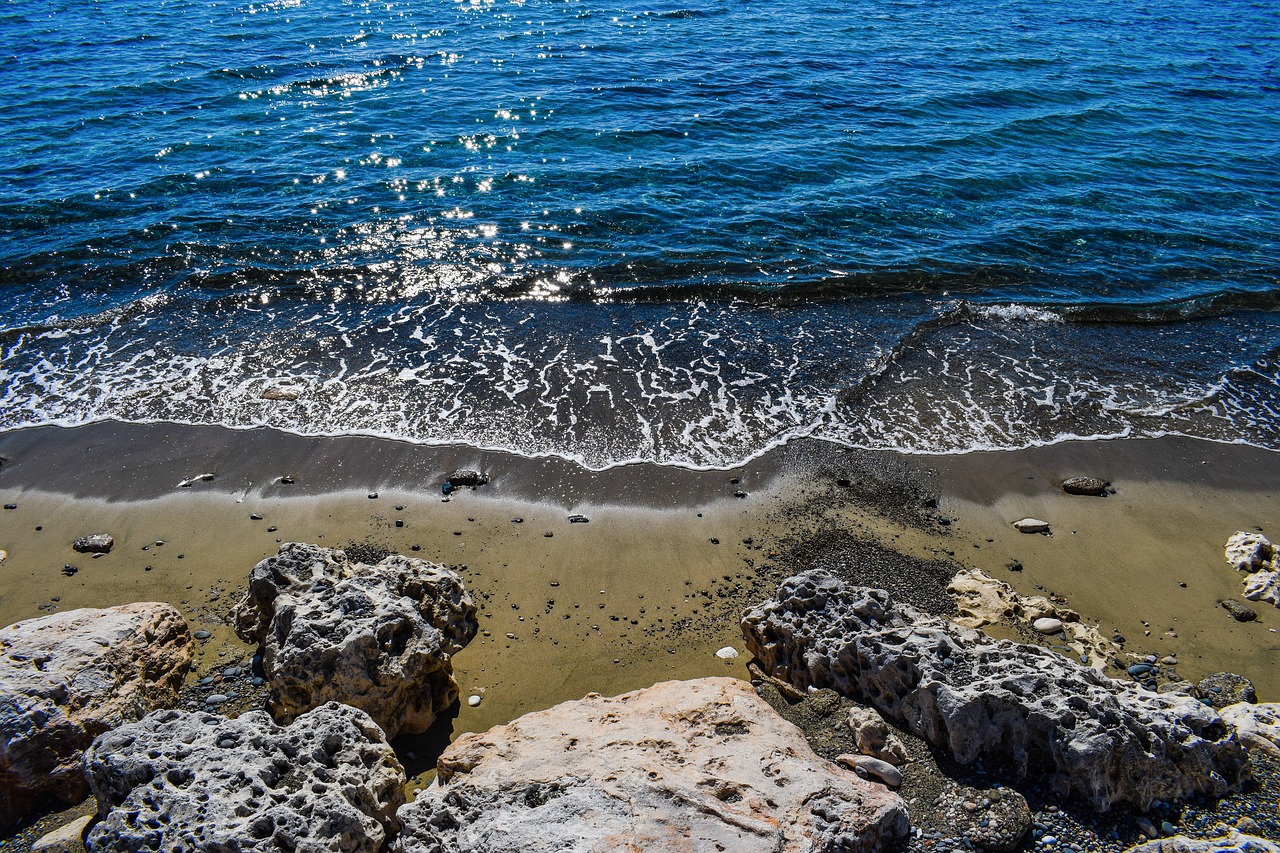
column 641, row 593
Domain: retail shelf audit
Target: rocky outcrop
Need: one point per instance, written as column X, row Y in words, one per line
column 1254, row 554
column 378, row 637
column 180, row 780
column 682, row 765
column 1023, row 707
column 69, row 677
column 1257, row 726
column 1233, row 843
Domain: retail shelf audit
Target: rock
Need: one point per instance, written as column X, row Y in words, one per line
column 474, row 701
column 277, row 392
column 1263, row 586
column 98, row 543
column 727, row 653
column 1085, row 486
column 181, row 780
column 578, row 519
column 1047, row 625
column 65, row 839
column 692, row 765
column 1024, row 707
column 1031, row 525
column 4, row 555
column 1256, row 726
column 1226, row 688
column 67, row 678
column 872, row 768
column 1250, row 552
column 202, row 634
column 993, row 818
column 378, row 637
column 1238, row 611
column 874, row 737
column 1234, row 842
column 465, row 477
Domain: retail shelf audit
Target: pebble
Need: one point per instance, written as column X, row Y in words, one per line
column 872, row 768
column 517, row 521
column 474, row 700
column 253, row 516
column 1139, row 669
column 10, row 506
column 1238, row 611
column 1047, row 625
column 202, row 634
column 216, row 699
column 373, row 496
column 727, row 653
column 231, row 672
column 578, row 519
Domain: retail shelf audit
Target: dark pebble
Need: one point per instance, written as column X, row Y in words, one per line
column 715, row 541
column 943, row 520
column 272, row 529
column 1015, row 566
column 69, row 570
column 1139, row 669
column 415, row 547
column 10, row 506
column 739, row 494
column 207, row 680
column 288, row 481
column 373, row 496
column 146, row 568
column 39, row 527
column 217, row 699
column 399, row 522
column 578, row 519
column 399, row 508
column 253, row 516
column 231, row 672
column 202, row 634
column 517, row 521
column 548, row 534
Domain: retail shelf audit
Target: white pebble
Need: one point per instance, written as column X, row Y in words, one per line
column 473, row 700
column 727, row 653
column 1047, row 625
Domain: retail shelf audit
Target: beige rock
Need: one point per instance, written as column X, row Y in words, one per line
column 64, row 839
column 982, row 600
column 1031, row 525
column 69, row 677
column 1256, row 726
column 1250, row 552
column 874, row 737
column 1263, row 586
column 682, row 765
column 871, row 768
column 1234, row 842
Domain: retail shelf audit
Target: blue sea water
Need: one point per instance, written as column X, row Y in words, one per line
column 676, row 230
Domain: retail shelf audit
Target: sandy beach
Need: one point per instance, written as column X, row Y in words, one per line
column 653, row 583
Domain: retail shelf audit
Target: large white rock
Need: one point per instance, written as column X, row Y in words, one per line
column 1263, row 586
column 380, row 638
column 1250, row 552
column 1024, row 707
column 179, row 780
column 1235, row 842
column 1257, row 726
column 67, row 678
column 683, row 765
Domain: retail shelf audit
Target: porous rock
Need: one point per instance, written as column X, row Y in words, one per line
column 682, row 765
column 874, row 737
column 1235, row 842
column 97, row 543
column 1225, row 688
column 991, row 818
column 1257, row 726
column 67, row 678
column 1263, row 586
column 1238, row 611
column 466, row 478
column 1250, row 552
column 1085, row 486
column 179, row 780
column 378, row 637
column 1022, row 707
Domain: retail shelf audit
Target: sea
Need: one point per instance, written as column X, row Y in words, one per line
column 671, row 231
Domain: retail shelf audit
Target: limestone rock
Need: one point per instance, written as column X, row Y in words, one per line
column 992, row 818
column 871, row 768
column 1023, row 707
column 67, row 678
column 98, row 543
column 380, row 638
column 1263, row 586
column 1250, row 552
column 1031, row 525
column 64, row 839
column 180, row 780
column 874, row 737
column 1085, row 486
column 1232, row 843
column 1257, row 726
column 1225, row 688
column 692, row 765
column 982, row 600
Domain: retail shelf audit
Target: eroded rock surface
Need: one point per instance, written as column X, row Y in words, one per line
column 67, row 678
column 1254, row 554
column 1234, row 843
column 378, row 637
column 1023, row 707
column 1257, row 726
column 187, row 781
column 683, row 765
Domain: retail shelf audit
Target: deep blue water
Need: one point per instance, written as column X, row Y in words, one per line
column 676, row 231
